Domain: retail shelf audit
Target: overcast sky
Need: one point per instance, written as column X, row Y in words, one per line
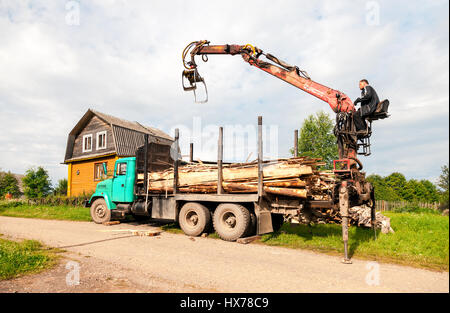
column 59, row 58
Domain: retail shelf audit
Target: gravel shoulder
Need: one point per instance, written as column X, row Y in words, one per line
column 113, row 260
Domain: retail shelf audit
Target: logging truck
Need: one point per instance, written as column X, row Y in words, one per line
column 251, row 209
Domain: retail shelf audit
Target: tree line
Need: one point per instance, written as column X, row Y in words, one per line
column 395, row 187
column 316, row 139
column 36, row 184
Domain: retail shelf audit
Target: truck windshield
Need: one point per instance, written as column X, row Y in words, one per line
column 121, row 169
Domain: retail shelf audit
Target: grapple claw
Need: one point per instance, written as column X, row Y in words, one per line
column 190, row 78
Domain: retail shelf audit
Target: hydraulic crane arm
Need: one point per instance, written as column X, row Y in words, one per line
column 338, row 101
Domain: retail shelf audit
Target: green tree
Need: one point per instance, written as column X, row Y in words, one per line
column 443, row 183
column 61, row 188
column 415, row 191
column 36, row 183
column 395, row 187
column 9, row 184
column 382, row 190
column 432, row 194
column 397, row 182
column 317, row 139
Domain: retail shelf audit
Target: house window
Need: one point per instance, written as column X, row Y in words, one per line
column 98, row 171
column 101, row 140
column 87, row 143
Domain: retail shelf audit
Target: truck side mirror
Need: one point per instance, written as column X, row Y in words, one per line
column 104, row 170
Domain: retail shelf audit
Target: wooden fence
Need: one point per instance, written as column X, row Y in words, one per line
column 382, row 205
column 73, row 201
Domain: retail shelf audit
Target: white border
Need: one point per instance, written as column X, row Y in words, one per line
column 85, row 136
column 98, row 134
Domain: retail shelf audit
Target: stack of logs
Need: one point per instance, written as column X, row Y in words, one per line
column 294, row 177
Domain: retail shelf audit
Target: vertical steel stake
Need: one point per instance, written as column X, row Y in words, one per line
column 373, row 212
column 191, row 152
column 175, row 163
column 296, row 143
column 260, row 158
column 219, row 162
column 343, row 207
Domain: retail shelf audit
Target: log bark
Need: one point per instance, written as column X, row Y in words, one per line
column 294, row 177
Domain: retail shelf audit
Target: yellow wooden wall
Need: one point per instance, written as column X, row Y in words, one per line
column 84, row 181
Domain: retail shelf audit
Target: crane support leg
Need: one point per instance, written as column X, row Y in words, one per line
column 343, row 207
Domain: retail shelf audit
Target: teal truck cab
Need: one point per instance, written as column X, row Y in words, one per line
column 126, row 192
column 114, row 192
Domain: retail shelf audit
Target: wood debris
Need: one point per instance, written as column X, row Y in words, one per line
column 111, row 223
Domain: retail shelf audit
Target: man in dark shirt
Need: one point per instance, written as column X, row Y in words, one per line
column 369, row 101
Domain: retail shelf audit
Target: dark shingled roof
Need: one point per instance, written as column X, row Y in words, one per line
column 128, row 136
column 131, row 125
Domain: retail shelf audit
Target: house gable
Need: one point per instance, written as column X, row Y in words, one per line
column 93, row 129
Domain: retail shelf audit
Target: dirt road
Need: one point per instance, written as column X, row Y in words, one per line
column 111, row 260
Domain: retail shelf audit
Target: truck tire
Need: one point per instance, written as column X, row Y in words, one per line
column 251, row 230
column 231, row 221
column 100, row 212
column 194, row 218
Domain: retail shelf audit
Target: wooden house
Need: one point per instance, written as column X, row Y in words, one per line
column 101, row 138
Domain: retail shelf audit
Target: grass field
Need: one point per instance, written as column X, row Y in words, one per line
column 17, row 209
column 420, row 240
column 421, row 237
column 27, row 256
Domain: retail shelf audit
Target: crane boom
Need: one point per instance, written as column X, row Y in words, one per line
column 338, row 101
column 352, row 187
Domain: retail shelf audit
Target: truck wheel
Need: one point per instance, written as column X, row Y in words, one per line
column 100, row 212
column 277, row 221
column 251, row 230
column 194, row 218
column 231, row 221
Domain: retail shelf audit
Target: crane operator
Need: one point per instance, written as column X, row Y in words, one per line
column 369, row 101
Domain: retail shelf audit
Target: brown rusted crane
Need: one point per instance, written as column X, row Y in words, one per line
column 353, row 189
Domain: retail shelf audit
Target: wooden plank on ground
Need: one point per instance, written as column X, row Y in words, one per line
column 247, row 240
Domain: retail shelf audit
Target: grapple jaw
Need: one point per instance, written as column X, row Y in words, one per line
column 190, row 80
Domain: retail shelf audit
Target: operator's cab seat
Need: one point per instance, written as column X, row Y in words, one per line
column 363, row 136
column 381, row 112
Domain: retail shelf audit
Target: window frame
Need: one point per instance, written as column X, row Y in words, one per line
column 83, row 143
column 105, row 141
column 100, row 164
column 119, row 167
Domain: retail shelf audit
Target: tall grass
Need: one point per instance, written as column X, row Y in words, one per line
column 27, row 256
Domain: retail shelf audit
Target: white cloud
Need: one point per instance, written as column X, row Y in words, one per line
column 125, row 59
